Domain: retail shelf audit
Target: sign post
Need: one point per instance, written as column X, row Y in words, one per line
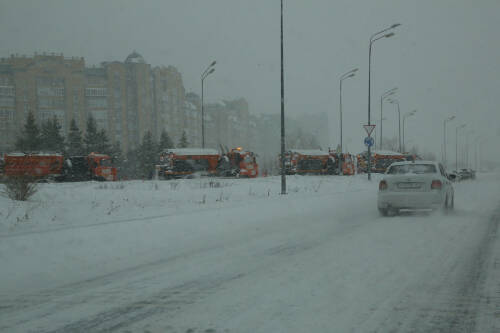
column 369, row 142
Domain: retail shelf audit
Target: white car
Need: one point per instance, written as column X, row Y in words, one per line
column 415, row 185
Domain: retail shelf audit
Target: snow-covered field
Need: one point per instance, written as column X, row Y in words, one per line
column 233, row 255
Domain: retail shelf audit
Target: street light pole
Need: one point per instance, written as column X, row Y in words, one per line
column 384, row 95
column 376, row 36
column 283, row 176
column 210, row 69
column 456, row 145
column 409, row 114
column 347, row 75
column 466, row 148
column 395, row 101
column 444, row 138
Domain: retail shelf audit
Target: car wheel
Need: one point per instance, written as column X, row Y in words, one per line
column 383, row 211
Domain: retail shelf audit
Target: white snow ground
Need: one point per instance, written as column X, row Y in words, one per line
column 227, row 255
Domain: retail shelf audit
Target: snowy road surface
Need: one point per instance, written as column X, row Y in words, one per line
column 317, row 260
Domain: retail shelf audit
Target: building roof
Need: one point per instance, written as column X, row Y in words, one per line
column 135, row 58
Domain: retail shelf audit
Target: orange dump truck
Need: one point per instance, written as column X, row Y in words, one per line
column 186, row 162
column 37, row 165
column 346, row 161
column 310, row 161
column 238, row 163
column 381, row 160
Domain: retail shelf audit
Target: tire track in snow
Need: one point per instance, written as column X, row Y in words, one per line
column 165, row 302
column 454, row 302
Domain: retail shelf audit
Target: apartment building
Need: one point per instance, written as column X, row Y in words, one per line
column 126, row 98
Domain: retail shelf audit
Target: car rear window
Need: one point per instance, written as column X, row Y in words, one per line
column 412, row 168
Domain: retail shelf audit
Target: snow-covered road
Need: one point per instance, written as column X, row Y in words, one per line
column 318, row 260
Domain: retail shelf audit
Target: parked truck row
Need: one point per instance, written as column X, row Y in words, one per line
column 188, row 162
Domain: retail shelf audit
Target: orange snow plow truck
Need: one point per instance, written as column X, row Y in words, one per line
column 54, row 167
column 38, row 166
column 185, row 162
column 91, row 167
column 238, row 163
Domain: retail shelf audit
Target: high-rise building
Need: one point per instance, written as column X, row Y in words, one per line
column 47, row 85
column 126, row 99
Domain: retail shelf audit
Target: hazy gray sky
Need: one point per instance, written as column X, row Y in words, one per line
column 445, row 58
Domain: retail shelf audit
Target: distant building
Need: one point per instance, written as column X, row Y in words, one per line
column 227, row 123
column 47, row 85
column 127, row 99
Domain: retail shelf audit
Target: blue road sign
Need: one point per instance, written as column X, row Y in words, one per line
column 369, row 141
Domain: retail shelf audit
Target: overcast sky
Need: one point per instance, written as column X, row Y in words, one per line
column 445, row 58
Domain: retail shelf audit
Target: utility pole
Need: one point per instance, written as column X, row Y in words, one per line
column 376, row 36
column 283, row 176
column 384, row 96
column 347, row 75
column 210, row 69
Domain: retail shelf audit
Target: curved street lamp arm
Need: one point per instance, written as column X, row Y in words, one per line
column 351, row 73
column 205, row 74
column 389, row 92
column 386, row 29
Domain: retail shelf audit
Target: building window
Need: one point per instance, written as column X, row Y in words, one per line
column 100, row 92
column 50, row 91
column 7, row 91
column 96, row 103
column 6, row 115
column 7, row 101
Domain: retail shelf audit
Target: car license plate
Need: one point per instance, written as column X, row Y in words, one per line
column 409, row 185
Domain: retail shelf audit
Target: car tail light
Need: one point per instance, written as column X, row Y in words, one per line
column 382, row 185
column 436, row 185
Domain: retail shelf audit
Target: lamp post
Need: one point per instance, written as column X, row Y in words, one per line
column 456, row 145
column 283, row 176
column 477, row 141
column 409, row 114
column 466, row 148
column 444, row 138
column 210, row 69
column 384, row 96
column 347, row 75
column 376, row 36
column 375, row 136
column 395, row 101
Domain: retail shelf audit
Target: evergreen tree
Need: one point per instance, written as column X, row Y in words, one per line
column 91, row 138
column 116, row 153
column 148, row 152
column 51, row 138
column 75, row 145
column 183, row 143
column 30, row 136
column 165, row 141
column 102, row 144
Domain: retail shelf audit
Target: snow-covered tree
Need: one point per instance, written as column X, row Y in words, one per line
column 74, row 142
column 51, row 138
column 102, row 144
column 165, row 141
column 183, row 143
column 148, row 154
column 29, row 140
column 91, row 138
